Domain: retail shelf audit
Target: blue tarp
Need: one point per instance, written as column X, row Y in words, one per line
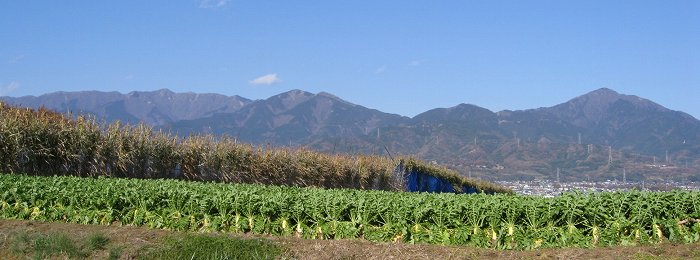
column 423, row 182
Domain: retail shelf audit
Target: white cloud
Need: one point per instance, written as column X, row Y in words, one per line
column 4, row 90
column 380, row 70
column 414, row 63
column 268, row 79
column 129, row 77
column 213, row 3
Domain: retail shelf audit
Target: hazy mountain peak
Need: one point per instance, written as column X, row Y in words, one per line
column 606, row 96
column 602, row 96
column 459, row 113
column 295, row 93
column 596, row 105
column 469, row 107
column 165, row 92
column 153, row 107
column 604, row 92
column 287, row 100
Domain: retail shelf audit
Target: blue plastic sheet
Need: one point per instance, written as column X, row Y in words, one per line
column 423, row 182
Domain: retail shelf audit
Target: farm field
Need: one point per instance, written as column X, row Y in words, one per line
column 226, row 129
column 487, row 221
column 363, row 220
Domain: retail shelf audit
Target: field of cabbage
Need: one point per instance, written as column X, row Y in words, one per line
column 495, row 221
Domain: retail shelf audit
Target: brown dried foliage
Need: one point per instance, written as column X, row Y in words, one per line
column 43, row 142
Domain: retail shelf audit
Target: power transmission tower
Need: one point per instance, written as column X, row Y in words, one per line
column 579, row 138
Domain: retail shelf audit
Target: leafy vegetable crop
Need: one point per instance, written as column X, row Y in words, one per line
column 496, row 221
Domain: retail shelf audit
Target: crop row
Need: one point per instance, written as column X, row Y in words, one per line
column 499, row 221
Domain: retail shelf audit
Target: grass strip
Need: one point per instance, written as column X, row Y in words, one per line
column 191, row 246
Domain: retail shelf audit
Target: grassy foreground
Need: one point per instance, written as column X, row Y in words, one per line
column 51, row 240
column 128, row 242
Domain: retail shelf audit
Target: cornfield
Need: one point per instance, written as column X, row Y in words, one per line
column 494, row 221
column 43, row 142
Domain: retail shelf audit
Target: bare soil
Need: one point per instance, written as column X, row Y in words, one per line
column 134, row 240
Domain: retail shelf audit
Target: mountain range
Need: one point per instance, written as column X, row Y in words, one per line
column 153, row 108
column 596, row 136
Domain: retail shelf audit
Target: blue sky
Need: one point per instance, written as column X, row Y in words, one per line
column 402, row 57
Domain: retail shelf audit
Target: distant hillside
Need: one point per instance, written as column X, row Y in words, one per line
column 578, row 137
column 152, row 107
column 295, row 117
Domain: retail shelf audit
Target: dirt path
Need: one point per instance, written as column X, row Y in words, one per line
column 133, row 239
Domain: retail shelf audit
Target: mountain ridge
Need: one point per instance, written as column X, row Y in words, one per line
column 52, row 96
column 152, row 107
column 579, row 135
